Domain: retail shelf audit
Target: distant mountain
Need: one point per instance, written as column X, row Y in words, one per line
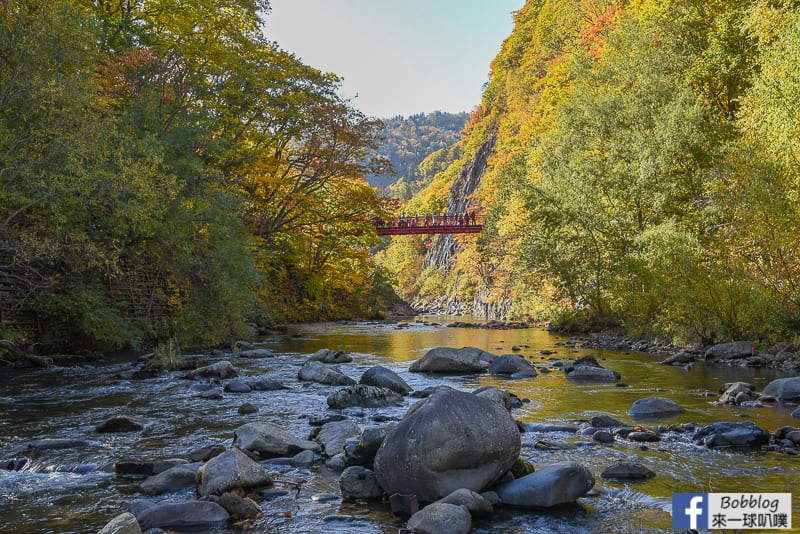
column 410, row 140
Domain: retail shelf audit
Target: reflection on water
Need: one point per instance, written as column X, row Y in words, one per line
column 75, row 489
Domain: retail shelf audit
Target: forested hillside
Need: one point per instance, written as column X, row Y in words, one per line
column 410, row 140
column 643, row 172
column 167, row 172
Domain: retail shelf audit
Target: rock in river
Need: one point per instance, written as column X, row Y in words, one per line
column 383, row 377
column 364, row 396
column 265, row 440
column 192, row 515
column 441, row 518
column 509, row 364
column 448, row 360
column 654, row 407
column 741, row 434
column 784, row 389
column 231, row 470
column 549, row 486
column 314, row 371
column 448, row 441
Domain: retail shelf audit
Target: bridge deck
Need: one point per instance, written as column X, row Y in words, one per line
column 439, row 224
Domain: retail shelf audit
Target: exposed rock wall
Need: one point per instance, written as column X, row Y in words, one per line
column 445, row 247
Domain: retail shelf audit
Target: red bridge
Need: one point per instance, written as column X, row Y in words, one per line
column 430, row 224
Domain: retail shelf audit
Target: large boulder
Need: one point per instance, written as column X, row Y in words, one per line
column 265, row 440
column 191, row 515
column 314, row 371
column 448, row 441
column 592, row 373
column 231, row 470
column 509, row 364
column 383, row 377
column 736, row 392
column 735, row 435
column 654, row 407
column 364, row 396
column 552, row 485
column 448, row 360
column 441, row 518
column 784, row 389
column 730, row 351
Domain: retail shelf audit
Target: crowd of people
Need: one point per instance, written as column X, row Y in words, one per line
column 403, row 221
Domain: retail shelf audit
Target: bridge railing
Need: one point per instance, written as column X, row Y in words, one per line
column 468, row 223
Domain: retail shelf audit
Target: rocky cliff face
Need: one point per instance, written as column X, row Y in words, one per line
column 445, row 247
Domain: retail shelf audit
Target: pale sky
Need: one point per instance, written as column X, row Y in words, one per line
column 397, row 57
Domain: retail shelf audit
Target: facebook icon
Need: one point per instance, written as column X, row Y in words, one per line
column 690, row 510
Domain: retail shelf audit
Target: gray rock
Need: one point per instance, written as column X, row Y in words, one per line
column 468, row 360
column 183, row 515
column 497, row 395
column 605, row 421
column 240, row 507
column 247, row 408
column 265, row 440
column 363, row 450
column 383, row 377
column 449, row 441
column 654, row 407
column 731, row 392
column 743, row 434
column 603, row 436
column 231, row 470
column 679, row 359
column 441, row 518
column 364, row 396
column 796, row 413
column 314, row 371
column 120, row 424
column 171, row 480
column 784, row 389
column 477, row 505
column 333, row 436
column 552, row 485
column 122, row 524
column 509, row 364
column 728, row 351
column 237, row 386
column 592, row 373
column 303, row 459
column 357, row 482
column 330, row 356
column 219, row 370
column 627, row 471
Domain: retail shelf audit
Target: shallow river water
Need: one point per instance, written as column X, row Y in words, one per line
column 76, row 490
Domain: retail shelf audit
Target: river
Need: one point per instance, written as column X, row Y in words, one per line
column 76, row 489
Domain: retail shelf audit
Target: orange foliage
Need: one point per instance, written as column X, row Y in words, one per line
column 595, row 31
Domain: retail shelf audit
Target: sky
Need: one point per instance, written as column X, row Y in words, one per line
column 397, row 57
